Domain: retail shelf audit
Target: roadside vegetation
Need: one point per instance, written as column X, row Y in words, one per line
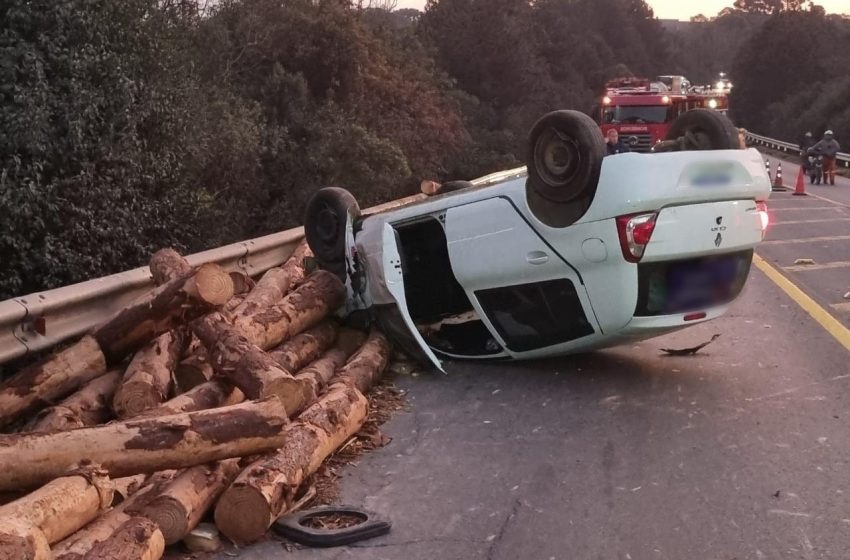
column 129, row 126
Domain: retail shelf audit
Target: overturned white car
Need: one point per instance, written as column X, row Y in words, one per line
column 576, row 253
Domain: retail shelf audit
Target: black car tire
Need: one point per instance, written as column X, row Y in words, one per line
column 704, row 129
column 564, row 159
column 324, row 226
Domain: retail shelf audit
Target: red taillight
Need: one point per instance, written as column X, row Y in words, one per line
column 765, row 217
column 695, row 316
column 635, row 231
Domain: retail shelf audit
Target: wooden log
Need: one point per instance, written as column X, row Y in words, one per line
column 77, row 545
column 21, row 541
column 367, row 365
column 246, row 366
column 269, row 290
column 305, row 347
column 87, row 407
column 185, row 501
column 294, row 265
column 51, row 380
column 168, row 264
column 54, row 511
column 125, row 487
column 148, row 380
column 144, row 446
column 320, row 294
column 212, row 394
column 137, row 538
column 163, row 309
column 320, row 372
column 193, row 371
column 266, row 489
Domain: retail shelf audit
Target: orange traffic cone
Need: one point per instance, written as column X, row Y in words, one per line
column 777, row 181
column 800, row 187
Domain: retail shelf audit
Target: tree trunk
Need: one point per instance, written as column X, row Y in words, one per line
column 168, row 264
column 212, row 394
column 56, row 510
column 368, row 364
column 137, row 538
column 20, row 541
column 163, row 309
column 265, row 489
column 319, row 295
column 193, row 371
column 321, row 371
column 55, row 378
column 125, row 487
column 144, row 446
column 246, row 366
column 77, row 545
column 269, row 290
column 148, row 380
column 294, row 265
column 87, row 407
column 185, row 501
column 306, row 347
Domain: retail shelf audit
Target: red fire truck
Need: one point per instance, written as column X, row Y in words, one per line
column 644, row 109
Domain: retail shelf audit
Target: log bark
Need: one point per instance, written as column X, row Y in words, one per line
column 163, row 309
column 137, row 538
column 193, row 371
column 144, row 446
column 320, row 372
column 185, row 501
column 266, row 489
column 87, row 407
column 20, row 541
column 168, row 264
column 55, row 511
column 245, row 365
column 77, row 545
column 306, row 347
column 212, row 394
column 368, row 364
column 125, row 487
column 269, row 290
column 45, row 383
column 294, row 265
column 320, row 294
column 148, row 380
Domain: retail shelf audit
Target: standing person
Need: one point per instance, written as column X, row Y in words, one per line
column 828, row 147
column 742, row 138
column 805, row 144
column 615, row 145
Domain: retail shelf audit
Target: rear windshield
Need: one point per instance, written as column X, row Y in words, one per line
column 637, row 114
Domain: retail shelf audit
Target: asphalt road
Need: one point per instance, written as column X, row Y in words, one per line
column 741, row 452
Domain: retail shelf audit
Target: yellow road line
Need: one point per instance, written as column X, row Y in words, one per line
column 823, row 266
column 806, row 240
column 830, row 324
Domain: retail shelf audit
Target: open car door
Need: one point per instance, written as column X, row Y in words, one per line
column 394, row 279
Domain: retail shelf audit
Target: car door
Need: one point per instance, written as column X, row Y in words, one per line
column 394, row 281
column 531, row 299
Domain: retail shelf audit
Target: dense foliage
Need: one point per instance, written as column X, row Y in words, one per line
column 128, row 126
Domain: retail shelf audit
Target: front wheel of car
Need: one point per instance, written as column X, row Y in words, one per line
column 564, row 159
column 325, row 220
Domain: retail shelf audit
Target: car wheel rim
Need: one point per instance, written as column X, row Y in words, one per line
column 556, row 158
column 327, row 225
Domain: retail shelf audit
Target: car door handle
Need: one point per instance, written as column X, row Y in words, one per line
column 537, row 257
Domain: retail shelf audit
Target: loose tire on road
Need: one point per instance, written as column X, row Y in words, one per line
column 324, row 226
column 704, row 129
column 564, row 159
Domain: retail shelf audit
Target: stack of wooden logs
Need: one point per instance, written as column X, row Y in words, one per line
column 209, row 396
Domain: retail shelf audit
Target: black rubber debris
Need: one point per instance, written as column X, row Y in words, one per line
column 330, row 526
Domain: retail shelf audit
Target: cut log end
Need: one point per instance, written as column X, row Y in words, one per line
column 213, row 285
column 170, row 516
column 135, row 397
column 294, row 393
column 20, row 542
column 243, row 515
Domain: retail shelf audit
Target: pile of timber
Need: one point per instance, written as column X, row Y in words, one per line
column 210, row 397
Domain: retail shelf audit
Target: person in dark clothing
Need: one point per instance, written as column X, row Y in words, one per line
column 615, row 145
column 805, row 145
column 828, row 147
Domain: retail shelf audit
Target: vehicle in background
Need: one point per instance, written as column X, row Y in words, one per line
column 556, row 258
column 644, row 110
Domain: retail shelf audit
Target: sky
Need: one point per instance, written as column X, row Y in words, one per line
column 684, row 9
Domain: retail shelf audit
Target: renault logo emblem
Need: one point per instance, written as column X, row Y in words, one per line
column 718, row 240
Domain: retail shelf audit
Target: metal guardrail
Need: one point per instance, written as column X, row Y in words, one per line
column 71, row 311
column 787, row 147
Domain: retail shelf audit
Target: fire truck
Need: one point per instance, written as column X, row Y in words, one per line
column 642, row 110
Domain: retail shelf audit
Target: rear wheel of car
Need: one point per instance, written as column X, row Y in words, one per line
column 564, row 159
column 704, row 129
column 324, row 226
